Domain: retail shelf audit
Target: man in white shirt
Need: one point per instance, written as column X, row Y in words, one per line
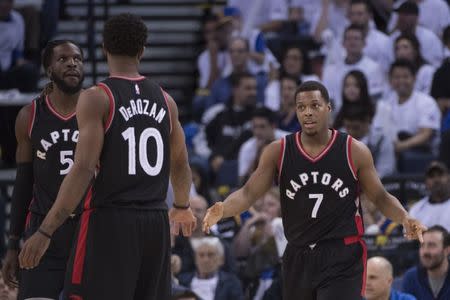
column 434, row 209
column 433, row 14
column 357, row 122
column 264, row 132
column 416, row 115
column 333, row 74
column 266, row 15
column 408, row 20
column 377, row 42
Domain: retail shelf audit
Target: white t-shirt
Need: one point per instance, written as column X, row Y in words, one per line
column 430, row 45
column 377, row 48
column 259, row 12
column 204, row 65
column 433, row 14
column 419, row 111
column 11, row 39
column 205, row 288
column 432, row 213
column 424, row 78
column 334, row 74
column 247, row 152
column 337, row 19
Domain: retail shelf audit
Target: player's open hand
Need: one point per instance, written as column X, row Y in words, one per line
column 33, row 250
column 413, row 229
column 182, row 219
column 213, row 215
column 10, row 268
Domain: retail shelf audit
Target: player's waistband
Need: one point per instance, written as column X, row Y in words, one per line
column 348, row 240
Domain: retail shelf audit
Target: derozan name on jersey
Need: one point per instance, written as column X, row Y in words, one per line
column 142, row 107
column 316, row 178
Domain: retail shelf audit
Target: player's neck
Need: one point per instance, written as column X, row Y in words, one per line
column 64, row 104
column 123, row 68
column 320, row 139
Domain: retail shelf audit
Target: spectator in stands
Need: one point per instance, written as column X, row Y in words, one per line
column 416, row 117
column 260, row 56
column 434, row 209
column 407, row 47
column 256, row 243
column 294, row 63
column 183, row 246
column 357, row 122
column 15, row 71
column 379, row 281
column 444, row 149
column 213, row 59
column 433, row 15
column 408, row 16
column 376, row 42
column 329, row 19
column 238, row 50
column 265, row 15
column 230, row 124
column 354, row 92
column 184, row 295
column 208, row 281
column 286, row 116
column 431, row 279
column 264, row 132
column 355, row 59
column 446, row 41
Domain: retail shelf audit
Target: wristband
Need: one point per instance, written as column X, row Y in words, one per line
column 181, row 207
column 44, row 233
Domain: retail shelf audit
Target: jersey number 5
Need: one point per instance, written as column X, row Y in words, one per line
column 319, row 198
column 129, row 135
column 66, row 159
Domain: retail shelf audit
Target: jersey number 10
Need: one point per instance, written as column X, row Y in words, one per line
column 130, row 136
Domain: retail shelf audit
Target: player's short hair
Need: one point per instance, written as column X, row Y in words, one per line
column 236, row 78
column 124, row 34
column 47, row 52
column 445, row 234
column 309, row 86
column 264, row 113
column 402, row 63
column 209, row 241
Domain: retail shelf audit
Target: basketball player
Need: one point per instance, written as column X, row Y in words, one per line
column 321, row 173
column 131, row 137
column 47, row 133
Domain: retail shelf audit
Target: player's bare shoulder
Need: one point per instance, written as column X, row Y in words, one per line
column 24, row 119
column 361, row 154
column 271, row 153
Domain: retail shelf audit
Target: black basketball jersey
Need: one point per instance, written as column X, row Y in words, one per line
column 319, row 196
column 53, row 139
column 134, row 165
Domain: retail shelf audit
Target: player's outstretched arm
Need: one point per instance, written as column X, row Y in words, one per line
column 92, row 111
column 258, row 184
column 374, row 190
